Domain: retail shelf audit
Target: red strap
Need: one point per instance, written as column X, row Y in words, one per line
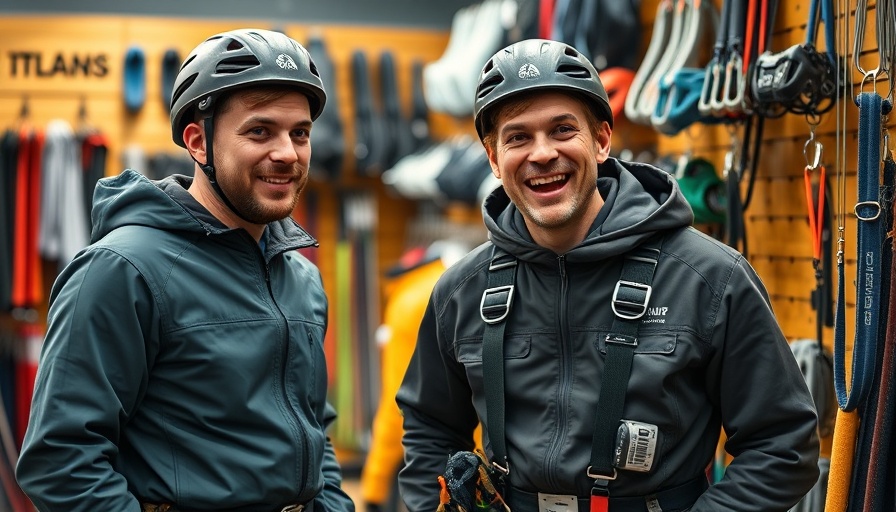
column 816, row 218
column 545, row 18
column 600, row 503
column 20, row 228
column 35, row 287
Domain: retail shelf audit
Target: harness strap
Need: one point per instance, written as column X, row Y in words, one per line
column 868, row 272
column 630, row 300
column 494, row 309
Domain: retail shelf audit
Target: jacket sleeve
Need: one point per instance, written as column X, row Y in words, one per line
column 91, row 374
column 332, row 498
column 439, row 418
column 767, row 411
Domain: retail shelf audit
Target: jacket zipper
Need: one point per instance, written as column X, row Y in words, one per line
column 565, row 370
column 303, row 438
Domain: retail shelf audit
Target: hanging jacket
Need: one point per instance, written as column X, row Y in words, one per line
column 406, row 300
column 710, row 355
column 182, row 364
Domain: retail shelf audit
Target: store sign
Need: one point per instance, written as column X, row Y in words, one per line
column 30, row 64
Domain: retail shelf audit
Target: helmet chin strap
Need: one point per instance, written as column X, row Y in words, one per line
column 209, row 169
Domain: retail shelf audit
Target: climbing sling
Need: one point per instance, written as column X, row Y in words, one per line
column 867, row 210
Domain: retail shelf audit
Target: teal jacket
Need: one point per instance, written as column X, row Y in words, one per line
column 182, row 364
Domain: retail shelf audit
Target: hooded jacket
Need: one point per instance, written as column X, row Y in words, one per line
column 710, row 356
column 182, row 364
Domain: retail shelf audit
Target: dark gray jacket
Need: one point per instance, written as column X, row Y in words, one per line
column 711, row 355
column 181, row 364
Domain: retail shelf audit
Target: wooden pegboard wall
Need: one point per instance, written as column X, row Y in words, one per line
column 777, row 231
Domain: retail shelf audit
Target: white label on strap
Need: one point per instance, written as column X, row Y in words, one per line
column 636, row 445
column 557, row 503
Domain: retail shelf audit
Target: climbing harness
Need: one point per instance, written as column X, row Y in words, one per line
column 630, row 300
column 800, row 79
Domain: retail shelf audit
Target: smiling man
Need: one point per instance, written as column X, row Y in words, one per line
column 183, row 367
column 601, row 340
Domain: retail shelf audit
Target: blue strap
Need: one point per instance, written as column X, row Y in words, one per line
column 827, row 17
column 868, row 273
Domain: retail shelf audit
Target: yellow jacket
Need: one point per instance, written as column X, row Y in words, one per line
column 406, row 301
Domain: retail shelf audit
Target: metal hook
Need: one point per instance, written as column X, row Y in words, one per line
column 885, row 153
column 817, row 152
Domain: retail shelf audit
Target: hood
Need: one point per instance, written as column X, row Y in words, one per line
column 642, row 200
column 131, row 199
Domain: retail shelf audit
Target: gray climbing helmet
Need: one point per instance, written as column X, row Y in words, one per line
column 538, row 64
column 241, row 58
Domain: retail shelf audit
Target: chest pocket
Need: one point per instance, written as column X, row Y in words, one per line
column 469, row 352
column 655, row 344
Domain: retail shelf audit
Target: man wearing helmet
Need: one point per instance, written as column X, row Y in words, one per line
column 183, row 366
column 603, row 342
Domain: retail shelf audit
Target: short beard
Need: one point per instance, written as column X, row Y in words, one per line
column 254, row 211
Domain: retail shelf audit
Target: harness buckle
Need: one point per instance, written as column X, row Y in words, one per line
column 293, row 508
column 635, row 297
column 598, row 476
column 495, row 304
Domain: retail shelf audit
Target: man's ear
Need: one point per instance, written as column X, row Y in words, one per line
column 602, row 140
column 493, row 162
column 194, row 139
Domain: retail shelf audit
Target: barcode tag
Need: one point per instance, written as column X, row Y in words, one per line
column 557, row 503
column 635, row 446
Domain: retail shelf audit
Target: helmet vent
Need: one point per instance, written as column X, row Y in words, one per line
column 574, row 71
column 569, row 50
column 235, row 65
column 234, row 45
column 190, row 59
column 486, row 87
column 183, row 87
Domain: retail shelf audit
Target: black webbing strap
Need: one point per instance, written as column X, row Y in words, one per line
column 419, row 108
column 494, row 309
column 399, row 141
column 370, row 137
column 630, row 300
column 327, row 135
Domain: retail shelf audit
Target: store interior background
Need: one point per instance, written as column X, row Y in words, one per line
column 363, row 225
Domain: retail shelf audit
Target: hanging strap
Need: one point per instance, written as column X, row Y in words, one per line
column 816, row 215
column 867, row 210
column 659, row 40
column 630, row 300
column 881, row 431
column 419, row 110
